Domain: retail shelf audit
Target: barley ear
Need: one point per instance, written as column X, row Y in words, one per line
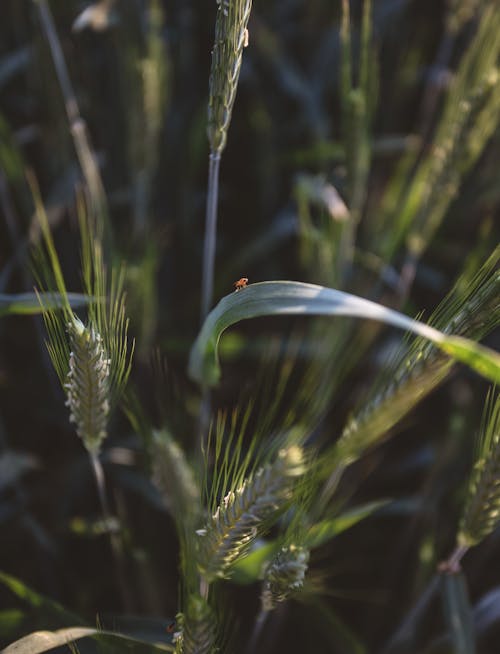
column 87, row 384
column 482, row 509
column 246, row 512
column 284, row 576
column 197, row 628
column 231, row 36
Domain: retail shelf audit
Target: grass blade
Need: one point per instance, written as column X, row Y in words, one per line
column 297, row 298
column 43, row 641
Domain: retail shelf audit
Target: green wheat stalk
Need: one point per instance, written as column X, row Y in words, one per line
column 246, row 512
column 231, row 36
column 93, row 359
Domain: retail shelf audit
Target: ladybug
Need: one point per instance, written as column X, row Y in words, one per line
column 171, row 628
column 241, row 283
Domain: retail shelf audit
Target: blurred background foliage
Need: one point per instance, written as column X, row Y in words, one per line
column 308, row 139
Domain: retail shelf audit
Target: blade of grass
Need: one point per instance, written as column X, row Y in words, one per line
column 42, row 641
column 297, row 298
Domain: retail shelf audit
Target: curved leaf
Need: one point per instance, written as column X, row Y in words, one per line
column 43, row 605
column 298, row 298
column 323, row 531
column 43, row 641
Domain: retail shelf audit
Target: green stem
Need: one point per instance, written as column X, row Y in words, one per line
column 257, row 631
column 84, row 151
column 207, row 280
column 116, row 545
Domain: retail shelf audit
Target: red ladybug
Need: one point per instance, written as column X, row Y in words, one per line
column 241, row 283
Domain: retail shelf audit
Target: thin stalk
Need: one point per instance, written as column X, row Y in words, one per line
column 410, row 624
column 207, row 282
column 101, row 486
column 209, row 247
column 78, row 128
column 116, row 545
column 257, row 631
column 412, row 620
column 48, row 26
column 452, row 564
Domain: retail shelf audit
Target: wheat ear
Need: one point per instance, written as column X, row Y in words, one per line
column 87, row 385
column 482, row 509
column 231, row 36
column 284, row 576
column 245, row 512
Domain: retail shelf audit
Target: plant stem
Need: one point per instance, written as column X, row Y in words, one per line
column 116, row 546
column 452, row 564
column 411, row 623
column 85, row 153
column 257, row 631
column 207, row 280
column 412, row 620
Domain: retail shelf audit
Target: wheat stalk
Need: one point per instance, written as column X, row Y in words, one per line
column 231, row 36
column 245, row 512
column 284, row 576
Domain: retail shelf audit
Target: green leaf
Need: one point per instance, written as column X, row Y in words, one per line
column 297, row 298
column 325, row 530
column 248, row 570
column 458, row 613
column 31, row 303
column 36, row 600
column 10, row 620
column 43, row 641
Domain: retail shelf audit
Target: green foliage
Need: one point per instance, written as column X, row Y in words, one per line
column 282, row 298
column 362, row 159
